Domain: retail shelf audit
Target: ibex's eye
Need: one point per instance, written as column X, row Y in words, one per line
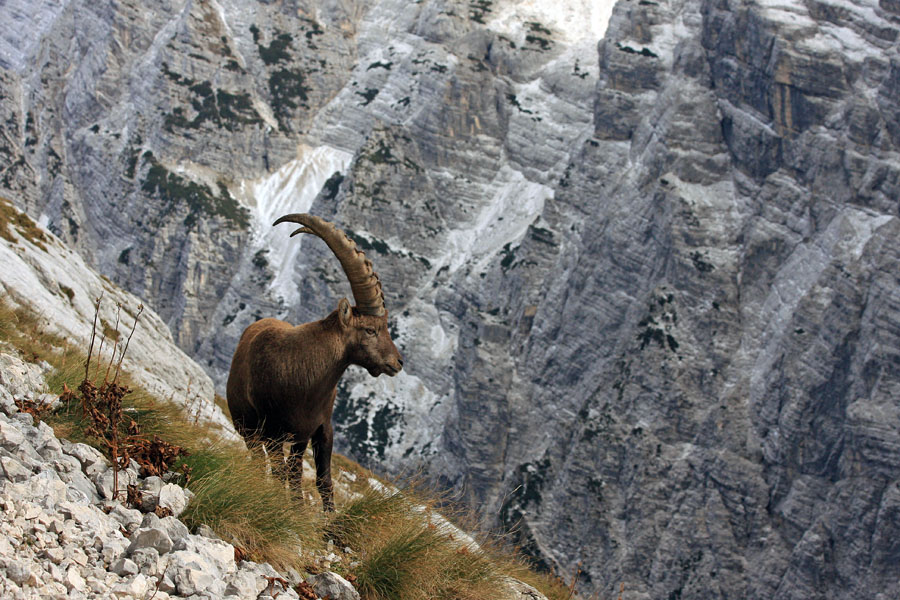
column 370, row 331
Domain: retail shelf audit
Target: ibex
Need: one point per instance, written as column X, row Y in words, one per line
column 283, row 378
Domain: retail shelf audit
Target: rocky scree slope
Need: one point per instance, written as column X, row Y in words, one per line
column 647, row 287
column 65, row 536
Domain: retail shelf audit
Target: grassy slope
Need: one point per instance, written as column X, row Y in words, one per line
column 395, row 550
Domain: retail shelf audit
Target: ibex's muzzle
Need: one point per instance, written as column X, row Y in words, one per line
column 393, row 369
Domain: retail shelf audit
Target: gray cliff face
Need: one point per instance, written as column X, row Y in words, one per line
column 647, row 288
column 733, row 407
column 128, row 127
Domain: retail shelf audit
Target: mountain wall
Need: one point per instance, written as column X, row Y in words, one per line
column 644, row 276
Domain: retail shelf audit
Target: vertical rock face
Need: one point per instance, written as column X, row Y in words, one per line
column 647, row 288
column 729, row 401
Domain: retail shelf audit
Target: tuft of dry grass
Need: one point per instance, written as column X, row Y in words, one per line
column 232, row 494
column 10, row 216
column 222, row 403
column 406, row 551
column 26, row 331
column 519, row 567
column 401, row 553
column 254, row 512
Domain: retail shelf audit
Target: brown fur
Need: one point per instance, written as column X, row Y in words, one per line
column 283, row 382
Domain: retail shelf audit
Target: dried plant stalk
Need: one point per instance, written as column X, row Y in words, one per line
column 103, row 408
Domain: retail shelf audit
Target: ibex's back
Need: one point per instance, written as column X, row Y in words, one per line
column 283, row 378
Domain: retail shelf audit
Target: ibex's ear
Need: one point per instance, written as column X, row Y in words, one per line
column 344, row 312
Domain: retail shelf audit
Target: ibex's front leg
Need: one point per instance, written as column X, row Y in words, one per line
column 322, row 440
column 295, row 465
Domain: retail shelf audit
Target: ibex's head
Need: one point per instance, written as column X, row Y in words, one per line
column 364, row 326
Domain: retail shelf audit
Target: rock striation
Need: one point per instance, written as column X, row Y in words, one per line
column 644, row 276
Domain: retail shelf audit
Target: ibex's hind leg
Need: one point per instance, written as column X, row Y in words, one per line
column 274, row 456
column 295, row 465
column 265, row 448
column 322, row 441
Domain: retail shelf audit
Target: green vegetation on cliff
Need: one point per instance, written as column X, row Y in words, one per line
column 200, row 201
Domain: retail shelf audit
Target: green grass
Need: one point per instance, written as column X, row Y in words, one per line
column 396, row 550
column 233, row 495
column 403, row 555
column 394, row 567
column 24, row 330
column 199, row 200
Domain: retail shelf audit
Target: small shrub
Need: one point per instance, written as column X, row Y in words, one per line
column 174, row 190
column 104, row 419
column 69, row 292
column 35, row 408
column 288, row 90
column 368, row 95
column 277, row 50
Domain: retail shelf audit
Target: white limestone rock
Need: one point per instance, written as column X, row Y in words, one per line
column 173, row 497
column 147, row 561
column 175, row 529
column 150, row 489
column 245, row 585
column 151, row 537
column 333, row 585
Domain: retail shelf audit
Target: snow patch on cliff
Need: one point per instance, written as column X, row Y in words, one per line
column 515, row 203
column 290, row 189
column 405, row 416
column 570, row 20
column 415, row 412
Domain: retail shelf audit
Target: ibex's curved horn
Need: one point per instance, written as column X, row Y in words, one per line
column 363, row 280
